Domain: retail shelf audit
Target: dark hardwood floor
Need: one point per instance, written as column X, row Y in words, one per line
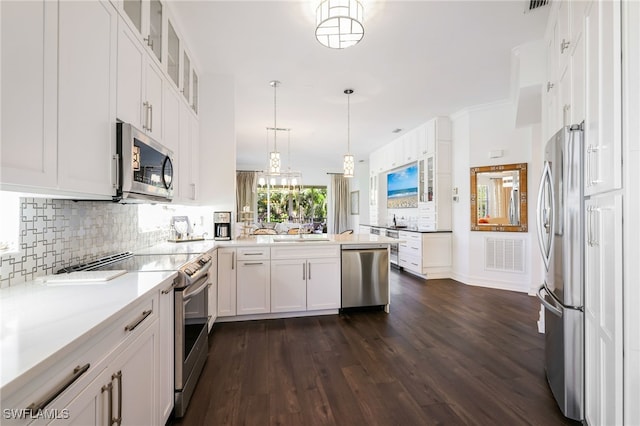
column 447, row 354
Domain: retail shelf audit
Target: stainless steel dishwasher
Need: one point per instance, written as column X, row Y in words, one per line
column 365, row 275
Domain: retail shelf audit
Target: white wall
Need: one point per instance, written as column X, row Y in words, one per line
column 476, row 131
column 217, row 142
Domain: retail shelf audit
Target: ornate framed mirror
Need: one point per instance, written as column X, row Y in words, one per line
column 499, row 198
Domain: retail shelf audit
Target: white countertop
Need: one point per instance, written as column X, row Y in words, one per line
column 197, row 247
column 308, row 239
column 40, row 324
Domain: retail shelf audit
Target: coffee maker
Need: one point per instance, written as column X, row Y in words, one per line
column 222, row 225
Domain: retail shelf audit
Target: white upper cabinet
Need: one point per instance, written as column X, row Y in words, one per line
column 140, row 84
column 603, row 123
column 86, row 96
column 147, row 19
column 29, row 94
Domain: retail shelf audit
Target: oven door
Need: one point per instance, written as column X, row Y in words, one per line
column 191, row 326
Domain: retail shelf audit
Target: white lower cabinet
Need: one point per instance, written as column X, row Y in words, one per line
column 253, row 287
column 212, row 303
column 118, row 375
column 305, row 279
column 323, row 283
column 166, row 339
column 305, row 284
column 288, row 285
column 226, row 282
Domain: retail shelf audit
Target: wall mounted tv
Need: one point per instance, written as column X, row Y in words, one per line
column 402, row 187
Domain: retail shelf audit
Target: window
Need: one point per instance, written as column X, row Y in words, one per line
column 283, row 205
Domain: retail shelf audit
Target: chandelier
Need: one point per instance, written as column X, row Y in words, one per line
column 348, row 164
column 339, row 23
column 288, row 179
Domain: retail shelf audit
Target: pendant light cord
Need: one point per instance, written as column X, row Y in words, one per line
column 275, row 126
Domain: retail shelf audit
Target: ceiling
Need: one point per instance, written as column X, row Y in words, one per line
column 417, row 60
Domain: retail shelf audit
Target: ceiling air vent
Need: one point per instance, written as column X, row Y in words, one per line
column 535, row 4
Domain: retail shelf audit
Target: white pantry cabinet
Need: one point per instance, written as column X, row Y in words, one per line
column 603, row 121
column 227, row 282
column 603, row 309
column 140, row 85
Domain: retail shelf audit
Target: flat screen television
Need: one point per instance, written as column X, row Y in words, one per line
column 402, row 187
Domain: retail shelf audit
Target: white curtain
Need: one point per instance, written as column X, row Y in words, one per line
column 340, row 197
column 245, row 191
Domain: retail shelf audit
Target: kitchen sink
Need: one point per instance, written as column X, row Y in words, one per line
column 305, row 238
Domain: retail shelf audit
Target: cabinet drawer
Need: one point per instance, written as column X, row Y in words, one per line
column 411, row 248
column 307, row 250
column 253, row 253
column 411, row 263
column 410, row 236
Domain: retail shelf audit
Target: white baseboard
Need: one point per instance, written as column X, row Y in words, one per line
column 497, row 284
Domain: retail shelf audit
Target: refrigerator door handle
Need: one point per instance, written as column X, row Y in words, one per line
column 553, row 309
column 544, row 216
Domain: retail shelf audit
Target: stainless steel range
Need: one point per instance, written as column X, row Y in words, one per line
column 190, row 310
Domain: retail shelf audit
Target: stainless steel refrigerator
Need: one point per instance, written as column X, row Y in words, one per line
column 560, row 235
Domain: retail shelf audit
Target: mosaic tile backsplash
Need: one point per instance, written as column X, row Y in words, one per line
column 58, row 233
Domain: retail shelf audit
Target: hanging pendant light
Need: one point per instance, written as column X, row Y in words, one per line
column 339, row 23
column 274, row 156
column 348, row 164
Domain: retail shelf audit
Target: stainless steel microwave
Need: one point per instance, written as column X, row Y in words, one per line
column 145, row 167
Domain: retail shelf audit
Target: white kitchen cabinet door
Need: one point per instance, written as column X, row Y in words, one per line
column 28, row 153
column 189, row 172
column 227, row 282
column 212, row 303
column 166, row 339
column 288, row 285
column 603, row 123
column 323, row 284
column 171, row 129
column 603, row 310
column 89, row 407
column 253, row 287
column 134, row 379
column 146, row 19
column 140, row 84
column 87, row 97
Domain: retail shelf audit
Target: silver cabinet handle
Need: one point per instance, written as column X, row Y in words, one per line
column 549, row 86
column 150, row 117
column 53, row 394
column 304, row 271
column 109, row 388
column 253, row 254
column 138, row 320
column 116, row 168
column 170, row 288
column 233, row 260
column 253, row 263
column 149, row 41
column 193, row 191
column 145, row 119
column 309, row 266
column 564, row 45
column 118, row 377
column 591, row 150
column 592, row 226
